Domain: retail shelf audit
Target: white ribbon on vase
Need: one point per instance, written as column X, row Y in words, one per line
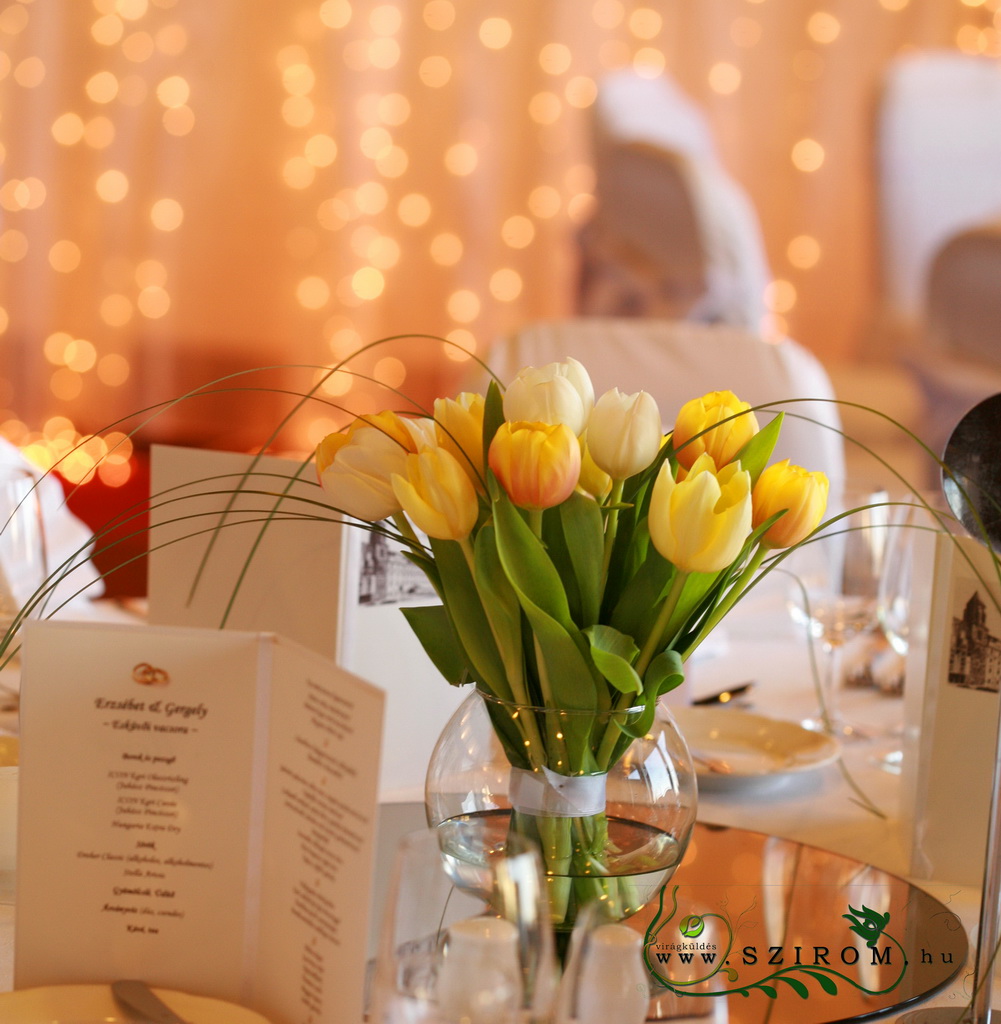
column 545, row 792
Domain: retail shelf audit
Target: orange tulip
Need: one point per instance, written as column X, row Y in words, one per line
column 722, row 441
column 538, row 464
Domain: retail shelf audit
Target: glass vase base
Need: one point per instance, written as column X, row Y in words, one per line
column 944, row 1015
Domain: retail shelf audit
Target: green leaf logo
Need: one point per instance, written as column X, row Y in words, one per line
column 691, row 927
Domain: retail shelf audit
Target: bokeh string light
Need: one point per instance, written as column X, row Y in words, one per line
column 291, row 184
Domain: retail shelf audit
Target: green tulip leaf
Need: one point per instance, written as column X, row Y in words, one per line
column 499, row 600
column 583, row 529
column 433, row 629
column 665, row 673
column 755, row 454
column 527, row 564
column 637, row 728
column 465, row 609
column 613, row 654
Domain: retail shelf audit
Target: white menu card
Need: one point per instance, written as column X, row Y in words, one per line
column 951, row 707
column 197, row 809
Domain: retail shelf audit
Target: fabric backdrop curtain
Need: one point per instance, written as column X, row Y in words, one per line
column 190, row 189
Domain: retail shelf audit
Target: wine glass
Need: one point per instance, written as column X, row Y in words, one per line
column 23, row 568
column 465, row 935
column 835, row 598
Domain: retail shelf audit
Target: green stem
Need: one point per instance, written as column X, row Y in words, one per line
column 403, row 525
column 611, row 528
column 535, row 521
column 653, row 641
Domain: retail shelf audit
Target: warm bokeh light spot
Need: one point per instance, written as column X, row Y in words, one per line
column 446, row 249
column 113, row 370
column 384, row 53
column 803, row 252
column 30, row 73
column 435, row 71
column 375, row 141
column 649, row 62
column 894, row 5
column 645, row 23
column 54, row 347
column 312, row 293
column 545, row 108
column 297, row 111
column 138, row 47
column 461, row 158
column 385, row 20
column 506, row 284
column 724, row 78
column 67, row 129
column 822, row 27
column 64, row 256
column 153, row 302
column 335, row 13
column 113, row 186
column 392, row 162
column 393, row 108
column 608, row 14
column 131, row 10
column 102, row 87
column 335, row 385
column 116, row 310
column 80, row 355
column 298, row 172
column 463, row 306
column 780, row 296
column 545, row 201
column 518, row 231
column 99, row 132
column 368, row 283
column 321, row 150
column 461, row 345
column 298, row 79
column 13, row 245
column 4, row 320
column 173, row 92
column 439, row 14
column 580, row 208
column 179, row 120
column 390, row 371
column 166, row 214
column 495, row 33
column 172, row 40
column 807, row 155
column 13, row 19
column 555, row 58
column 383, row 252
column 581, row 91
column 371, row 197
column 107, row 30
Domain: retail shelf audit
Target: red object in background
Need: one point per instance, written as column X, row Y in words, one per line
column 121, row 516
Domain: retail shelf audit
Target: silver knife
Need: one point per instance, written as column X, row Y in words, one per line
column 138, row 997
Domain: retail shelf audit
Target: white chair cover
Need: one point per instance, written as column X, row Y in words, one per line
column 939, row 152
column 674, row 235
column 677, row 361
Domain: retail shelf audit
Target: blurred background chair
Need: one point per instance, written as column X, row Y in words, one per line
column 676, row 361
column 672, row 235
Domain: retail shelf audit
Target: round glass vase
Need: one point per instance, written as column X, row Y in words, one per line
column 612, row 815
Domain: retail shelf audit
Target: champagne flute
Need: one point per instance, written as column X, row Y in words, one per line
column 836, row 599
column 23, row 567
column 465, row 935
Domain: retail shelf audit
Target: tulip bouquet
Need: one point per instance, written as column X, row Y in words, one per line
column 579, row 554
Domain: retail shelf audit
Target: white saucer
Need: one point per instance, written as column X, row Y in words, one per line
column 732, row 747
column 94, row 1004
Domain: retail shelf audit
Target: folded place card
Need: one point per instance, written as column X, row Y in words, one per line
column 951, row 707
column 333, row 587
column 197, row 809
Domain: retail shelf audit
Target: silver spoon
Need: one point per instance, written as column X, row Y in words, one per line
column 138, row 997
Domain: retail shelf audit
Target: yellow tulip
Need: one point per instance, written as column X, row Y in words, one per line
column 722, row 441
column 801, row 492
column 554, row 393
column 538, row 464
column 436, row 494
column 701, row 523
column 355, row 467
column 624, row 433
column 593, row 481
column 459, row 430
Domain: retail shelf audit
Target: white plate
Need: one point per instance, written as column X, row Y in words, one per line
column 731, row 747
column 94, row 1004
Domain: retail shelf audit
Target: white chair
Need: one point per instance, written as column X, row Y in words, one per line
column 676, row 361
column 939, row 165
column 673, row 235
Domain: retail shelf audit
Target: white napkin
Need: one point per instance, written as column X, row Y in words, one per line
column 67, row 538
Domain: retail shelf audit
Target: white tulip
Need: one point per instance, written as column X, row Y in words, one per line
column 555, row 393
column 624, row 433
